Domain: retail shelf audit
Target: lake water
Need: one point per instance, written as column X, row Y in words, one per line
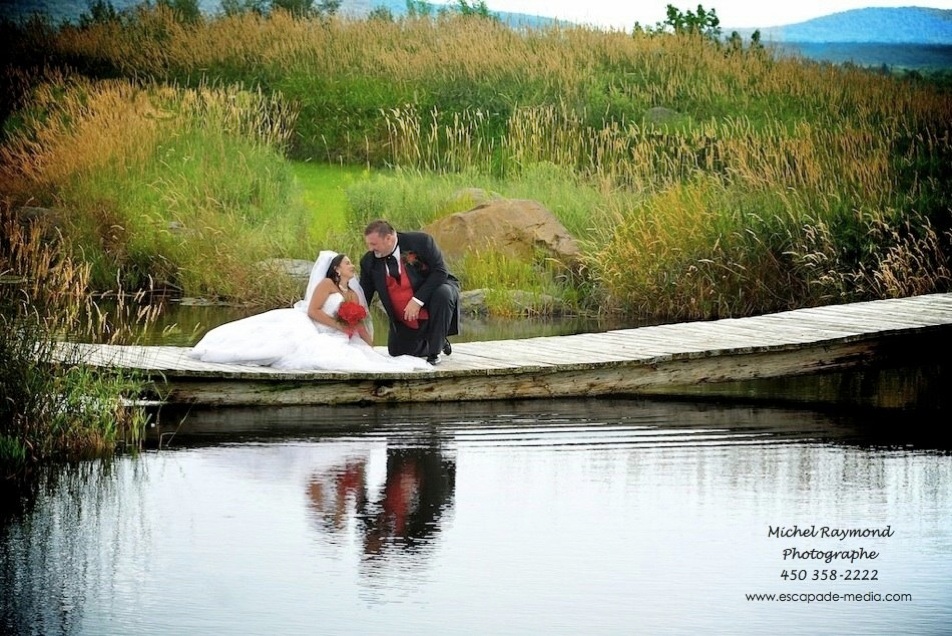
column 183, row 325
column 555, row 517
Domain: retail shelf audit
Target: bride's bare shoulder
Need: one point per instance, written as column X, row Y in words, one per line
column 321, row 291
column 326, row 284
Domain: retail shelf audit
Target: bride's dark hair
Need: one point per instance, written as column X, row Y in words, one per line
column 332, row 272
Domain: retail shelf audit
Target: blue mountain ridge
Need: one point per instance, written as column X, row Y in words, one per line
column 882, row 25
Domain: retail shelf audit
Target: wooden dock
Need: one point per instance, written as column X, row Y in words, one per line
column 673, row 359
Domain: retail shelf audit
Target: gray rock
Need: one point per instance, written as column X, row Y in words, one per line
column 473, row 302
column 296, row 268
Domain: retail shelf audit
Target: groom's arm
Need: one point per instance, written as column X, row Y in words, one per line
column 429, row 252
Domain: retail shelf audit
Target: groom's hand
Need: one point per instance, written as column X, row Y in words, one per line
column 412, row 311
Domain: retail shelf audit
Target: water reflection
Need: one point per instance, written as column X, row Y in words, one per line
column 184, row 325
column 568, row 517
column 402, row 513
column 65, row 535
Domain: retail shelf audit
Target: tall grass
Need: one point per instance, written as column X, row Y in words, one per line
column 412, row 199
column 150, row 182
column 51, row 405
column 762, row 184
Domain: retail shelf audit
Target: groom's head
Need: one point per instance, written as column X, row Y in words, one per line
column 380, row 237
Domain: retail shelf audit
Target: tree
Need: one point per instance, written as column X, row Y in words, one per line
column 328, row 7
column 185, row 11
column 384, row 14
column 100, row 12
column 297, row 8
column 701, row 22
column 755, row 43
column 419, row 9
column 478, row 9
column 735, row 42
column 239, row 7
column 307, row 8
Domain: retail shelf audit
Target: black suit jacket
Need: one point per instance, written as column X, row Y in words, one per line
column 421, row 260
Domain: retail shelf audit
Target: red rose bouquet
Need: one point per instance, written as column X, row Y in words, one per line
column 350, row 314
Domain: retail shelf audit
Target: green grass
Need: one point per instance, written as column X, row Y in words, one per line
column 322, row 189
column 412, row 199
column 770, row 184
column 53, row 406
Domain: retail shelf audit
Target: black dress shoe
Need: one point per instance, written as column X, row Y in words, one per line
column 433, row 360
column 447, row 347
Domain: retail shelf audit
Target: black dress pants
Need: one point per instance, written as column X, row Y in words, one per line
column 442, row 311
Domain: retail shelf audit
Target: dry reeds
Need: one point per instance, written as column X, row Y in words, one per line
column 720, row 168
column 52, row 406
column 147, row 180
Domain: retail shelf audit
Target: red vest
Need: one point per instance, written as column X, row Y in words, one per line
column 400, row 295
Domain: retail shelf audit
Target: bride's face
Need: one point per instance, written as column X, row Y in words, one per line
column 346, row 269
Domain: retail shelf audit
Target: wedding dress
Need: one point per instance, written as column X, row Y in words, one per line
column 289, row 339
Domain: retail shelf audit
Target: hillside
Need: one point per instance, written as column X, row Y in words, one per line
column 71, row 10
column 898, row 25
column 360, row 8
column 901, row 37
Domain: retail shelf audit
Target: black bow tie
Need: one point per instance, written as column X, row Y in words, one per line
column 392, row 266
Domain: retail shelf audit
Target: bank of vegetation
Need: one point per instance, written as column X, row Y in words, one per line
column 704, row 179
column 52, row 406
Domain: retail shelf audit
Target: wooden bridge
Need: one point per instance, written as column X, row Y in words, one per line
column 694, row 358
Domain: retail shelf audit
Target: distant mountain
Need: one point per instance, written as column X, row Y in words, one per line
column 397, row 8
column 898, row 25
column 71, row 10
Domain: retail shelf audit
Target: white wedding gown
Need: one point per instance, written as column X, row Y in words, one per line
column 289, row 339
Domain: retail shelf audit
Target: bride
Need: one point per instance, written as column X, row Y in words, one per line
column 310, row 335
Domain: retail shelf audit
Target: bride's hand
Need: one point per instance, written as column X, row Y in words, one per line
column 365, row 335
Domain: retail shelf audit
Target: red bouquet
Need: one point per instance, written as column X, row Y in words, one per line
column 350, row 314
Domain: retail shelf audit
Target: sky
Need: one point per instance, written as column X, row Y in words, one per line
column 623, row 14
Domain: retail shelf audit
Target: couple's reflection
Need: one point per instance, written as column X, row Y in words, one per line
column 403, row 512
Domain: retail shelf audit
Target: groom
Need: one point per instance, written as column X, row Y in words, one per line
column 420, row 296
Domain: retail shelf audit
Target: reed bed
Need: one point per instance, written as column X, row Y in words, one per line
column 148, row 182
column 727, row 181
column 52, row 406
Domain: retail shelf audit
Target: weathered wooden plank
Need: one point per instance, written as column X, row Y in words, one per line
column 797, row 333
column 576, row 354
column 728, row 335
column 637, row 347
column 645, row 360
column 911, row 319
column 864, row 318
column 608, row 379
column 634, row 341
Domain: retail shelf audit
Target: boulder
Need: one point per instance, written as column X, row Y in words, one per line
column 473, row 302
column 514, row 227
column 295, row 268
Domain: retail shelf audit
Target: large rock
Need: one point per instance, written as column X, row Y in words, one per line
column 513, row 227
column 295, row 268
column 473, row 302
